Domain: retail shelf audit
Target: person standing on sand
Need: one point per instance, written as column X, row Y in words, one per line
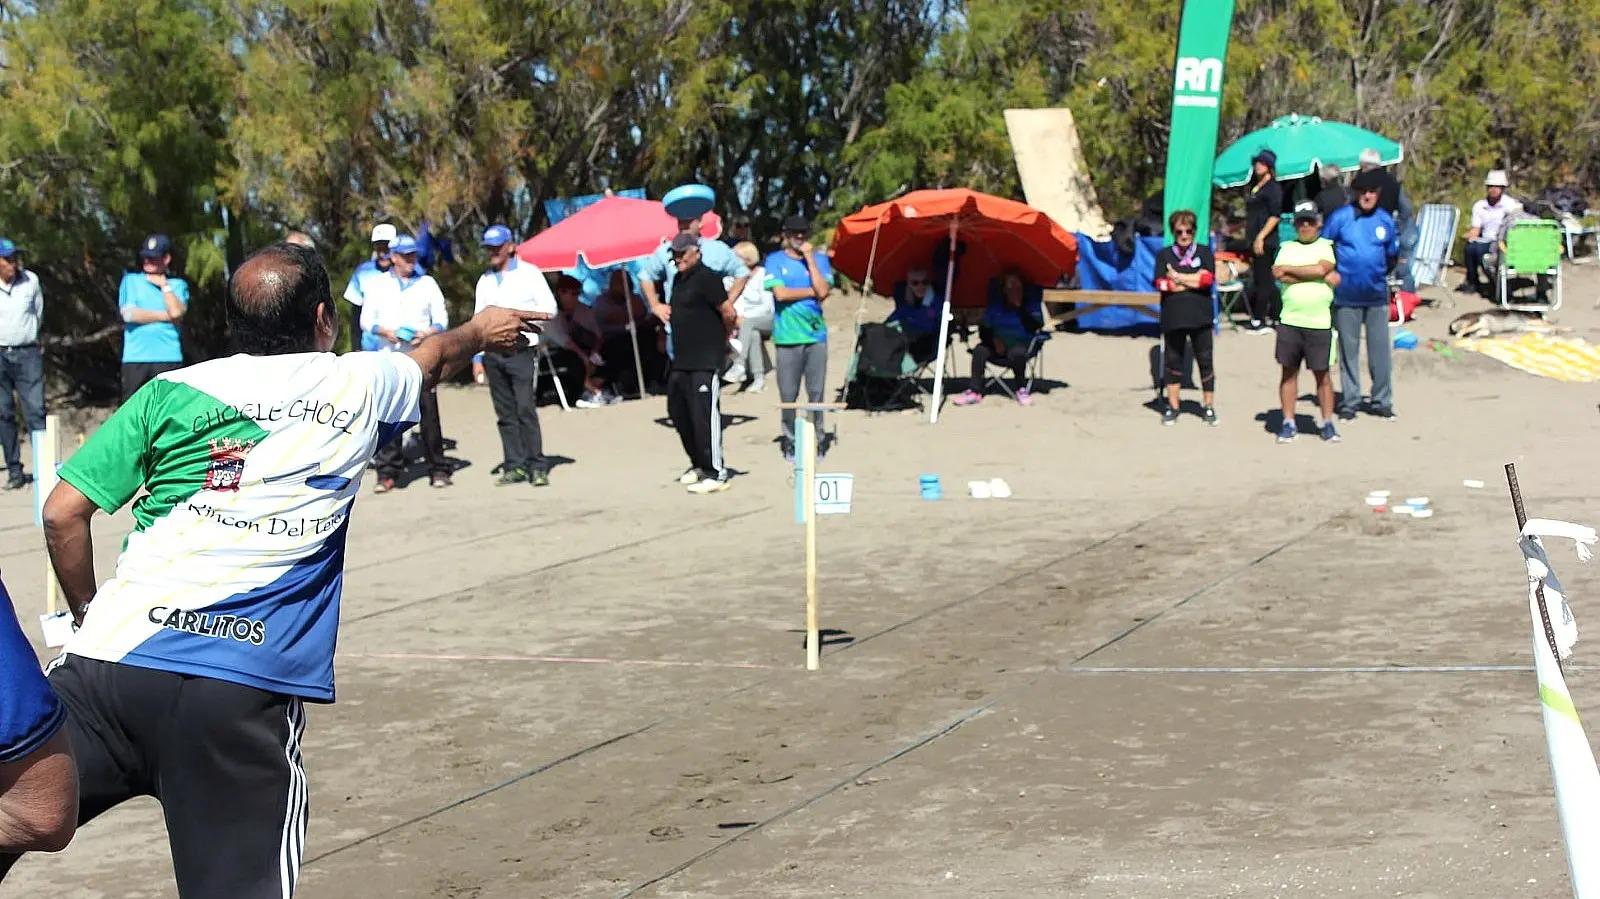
column 188, row 672
column 701, row 315
column 1184, row 275
column 1305, row 334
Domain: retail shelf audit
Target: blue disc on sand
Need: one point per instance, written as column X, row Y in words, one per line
column 688, row 201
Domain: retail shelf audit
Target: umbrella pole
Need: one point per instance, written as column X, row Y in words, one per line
column 633, row 329
column 866, row 286
column 944, row 328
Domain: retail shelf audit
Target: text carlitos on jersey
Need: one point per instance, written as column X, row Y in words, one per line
column 204, row 624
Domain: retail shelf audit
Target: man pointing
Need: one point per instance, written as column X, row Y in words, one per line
column 186, row 678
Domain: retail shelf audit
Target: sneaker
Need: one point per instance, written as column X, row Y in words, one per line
column 19, row 481
column 511, row 474
column 708, row 485
column 690, row 476
column 1347, row 414
column 1287, row 433
column 1024, row 397
column 756, row 386
column 439, row 480
column 384, row 485
column 733, row 375
column 1329, row 435
column 610, row 397
column 1257, row 326
column 1210, row 416
column 1466, row 287
column 1384, row 413
column 1169, row 416
column 539, row 478
column 969, row 398
column 590, row 400
column 787, row 448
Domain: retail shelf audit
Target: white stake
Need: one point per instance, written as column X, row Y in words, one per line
column 944, row 328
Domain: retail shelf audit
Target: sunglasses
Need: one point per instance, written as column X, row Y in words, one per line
column 1183, row 232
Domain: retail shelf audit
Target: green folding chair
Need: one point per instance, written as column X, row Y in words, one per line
column 1533, row 248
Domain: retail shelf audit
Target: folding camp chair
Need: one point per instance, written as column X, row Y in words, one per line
column 1533, row 248
column 1574, row 230
column 881, row 374
column 1230, row 285
column 542, row 359
column 1436, row 223
column 1033, row 372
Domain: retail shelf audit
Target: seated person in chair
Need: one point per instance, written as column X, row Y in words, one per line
column 575, row 337
column 616, row 305
column 1011, row 321
column 917, row 307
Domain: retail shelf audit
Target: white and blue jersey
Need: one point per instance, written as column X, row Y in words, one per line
column 250, row 466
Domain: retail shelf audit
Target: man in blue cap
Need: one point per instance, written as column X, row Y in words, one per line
column 153, row 303
column 376, row 266
column 21, row 362
column 512, row 375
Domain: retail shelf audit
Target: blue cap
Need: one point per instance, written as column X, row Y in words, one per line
column 496, row 236
column 403, row 245
column 155, row 246
column 7, row 248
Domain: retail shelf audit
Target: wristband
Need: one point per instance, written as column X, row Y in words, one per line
column 1207, row 279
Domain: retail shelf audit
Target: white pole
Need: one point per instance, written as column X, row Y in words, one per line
column 809, row 502
column 45, row 476
column 944, row 328
column 633, row 329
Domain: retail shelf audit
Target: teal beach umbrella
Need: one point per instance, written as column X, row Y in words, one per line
column 1303, row 143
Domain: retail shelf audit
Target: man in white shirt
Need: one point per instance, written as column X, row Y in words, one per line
column 512, row 283
column 1490, row 217
column 355, row 293
column 402, row 309
column 21, row 362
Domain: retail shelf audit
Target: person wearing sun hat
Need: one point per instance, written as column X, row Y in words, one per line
column 21, row 361
column 153, row 302
column 688, row 203
column 1263, row 208
column 1490, row 217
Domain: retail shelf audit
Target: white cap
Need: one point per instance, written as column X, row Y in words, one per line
column 384, row 232
column 1497, row 178
column 1370, row 156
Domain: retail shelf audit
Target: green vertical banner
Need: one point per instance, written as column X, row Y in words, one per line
column 1196, row 108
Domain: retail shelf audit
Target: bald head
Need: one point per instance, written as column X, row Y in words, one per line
column 279, row 302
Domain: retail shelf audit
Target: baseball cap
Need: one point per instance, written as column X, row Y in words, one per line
column 1497, row 178
column 684, row 242
column 1306, row 212
column 496, row 236
column 383, row 233
column 1370, row 179
column 1370, row 156
column 796, row 224
column 155, row 246
column 7, row 248
column 1266, row 157
column 403, row 245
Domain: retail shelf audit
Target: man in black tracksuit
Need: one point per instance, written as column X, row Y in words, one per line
column 700, row 314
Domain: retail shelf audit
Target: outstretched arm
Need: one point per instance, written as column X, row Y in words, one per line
column 494, row 328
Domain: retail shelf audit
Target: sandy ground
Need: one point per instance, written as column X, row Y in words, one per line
column 1132, row 679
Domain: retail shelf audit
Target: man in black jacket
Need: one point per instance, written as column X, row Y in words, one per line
column 700, row 314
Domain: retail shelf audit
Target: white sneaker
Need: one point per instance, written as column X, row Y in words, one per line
column 590, row 400
column 709, row 485
column 756, row 386
column 690, row 476
column 734, row 375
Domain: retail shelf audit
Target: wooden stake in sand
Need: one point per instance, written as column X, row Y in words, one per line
column 806, row 482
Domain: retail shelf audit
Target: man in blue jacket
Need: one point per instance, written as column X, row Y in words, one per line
column 1365, row 247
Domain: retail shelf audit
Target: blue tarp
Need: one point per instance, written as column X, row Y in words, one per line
column 1101, row 266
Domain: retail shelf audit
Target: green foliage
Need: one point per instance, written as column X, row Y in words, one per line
column 225, row 124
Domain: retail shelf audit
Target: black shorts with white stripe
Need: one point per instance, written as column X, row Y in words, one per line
column 223, row 759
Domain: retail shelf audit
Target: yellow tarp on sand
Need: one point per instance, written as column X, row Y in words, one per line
column 1571, row 359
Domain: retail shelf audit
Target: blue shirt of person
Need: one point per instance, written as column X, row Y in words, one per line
column 1365, row 245
column 917, row 315
column 1015, row 325
column 797, row 322
column 714, row 255
column 30, row 713
column 152, row 341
